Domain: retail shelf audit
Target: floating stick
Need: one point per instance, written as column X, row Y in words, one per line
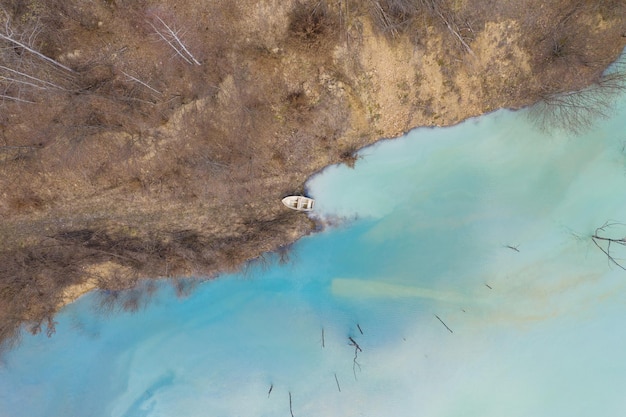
column 449, row 329
column 355, row 344
column 357, row 349
column 290, row 407
column 512, row 247
column 270, row 391
column 337, row 381
column 359, row 327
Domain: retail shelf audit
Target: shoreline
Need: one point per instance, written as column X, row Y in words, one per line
column 188, row 182
column 317, row 225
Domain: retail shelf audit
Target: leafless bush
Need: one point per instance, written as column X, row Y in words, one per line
column 395, row 16
column 577, row 111
column 564, row 40
column 184, row 287
column 349, row 156
column 284, row 253
column 31, row 288
column 130, row 300
column 313, row 22
column 25, row 72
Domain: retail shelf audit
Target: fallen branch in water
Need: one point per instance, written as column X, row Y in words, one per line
column 355, row 344
column 446, row 326
column 357, row 349
column 515, row 248
column 596, row 238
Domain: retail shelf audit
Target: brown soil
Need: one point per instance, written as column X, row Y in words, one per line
column 137, row 162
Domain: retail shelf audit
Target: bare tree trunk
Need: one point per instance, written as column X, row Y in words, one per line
column 173, row 40
column 37, row 53
column 142, row 83
column 454, row 30
column 21, row 100
column 30, row 77
column 576, row 111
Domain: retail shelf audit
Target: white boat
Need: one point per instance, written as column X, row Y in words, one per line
column 298, row 202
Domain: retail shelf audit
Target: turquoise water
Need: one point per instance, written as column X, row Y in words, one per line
column 416, row 270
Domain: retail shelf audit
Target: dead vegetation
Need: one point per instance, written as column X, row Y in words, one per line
column 584, row 97
column 313, row 23
column 144, row 139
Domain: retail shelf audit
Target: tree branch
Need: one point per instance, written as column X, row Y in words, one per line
column 174, row 41
column 30, row 77
column 142, row 83
column 3, row 96
column 596, row 238
column 37, row 53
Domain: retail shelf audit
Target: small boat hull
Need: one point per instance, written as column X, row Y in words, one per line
column 299, row 203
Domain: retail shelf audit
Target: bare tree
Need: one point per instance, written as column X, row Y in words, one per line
column 391, row 19
column 576, row 111
column 26, row 72
column 395, row 16
column 12, row 37
column 448, row 20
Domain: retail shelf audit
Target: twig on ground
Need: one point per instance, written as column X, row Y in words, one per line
column 142, row 83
